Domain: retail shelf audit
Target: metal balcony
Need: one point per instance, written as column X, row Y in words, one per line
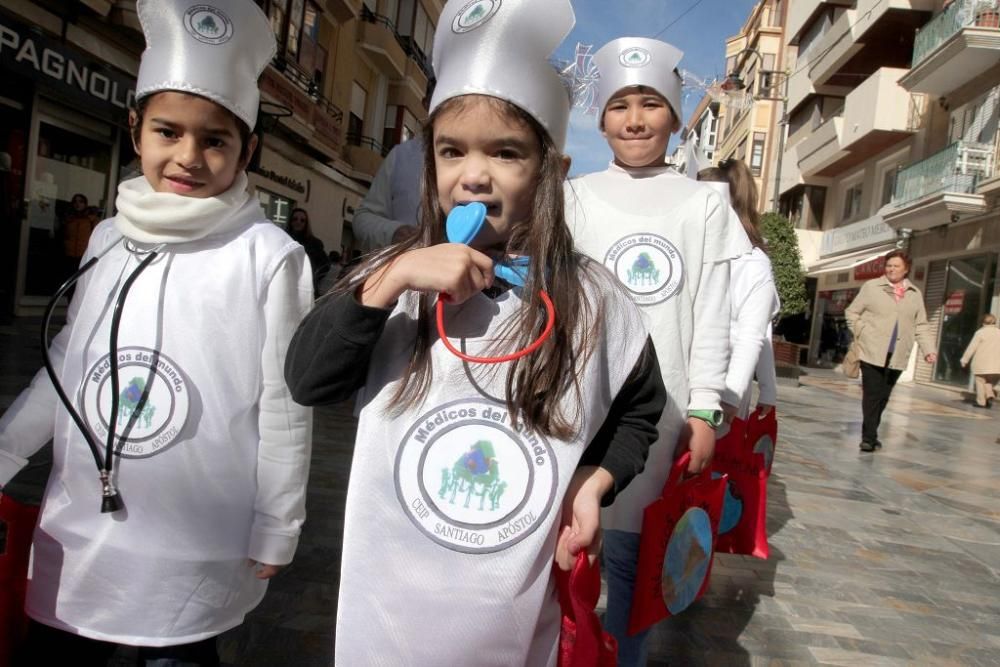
column 378, row 38
column 955, row 47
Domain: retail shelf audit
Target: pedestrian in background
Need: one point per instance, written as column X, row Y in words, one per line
column 886, row 318
column 984, row 353
column 754, row 299
column 301, row 232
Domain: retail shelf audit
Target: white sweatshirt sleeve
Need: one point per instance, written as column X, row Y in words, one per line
column 373, row 224
column 285, row 427
column 753, row 286
column 710, row 347
column 767, row 380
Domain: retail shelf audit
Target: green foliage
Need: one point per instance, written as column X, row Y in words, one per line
column 786, row 262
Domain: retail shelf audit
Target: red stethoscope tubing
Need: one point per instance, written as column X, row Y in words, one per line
column 550, row 313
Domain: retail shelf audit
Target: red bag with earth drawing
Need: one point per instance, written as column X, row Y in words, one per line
column 675, row 548
column 582, row 640
column 744, row 457
column 17, row 525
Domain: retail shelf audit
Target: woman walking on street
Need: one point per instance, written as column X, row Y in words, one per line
column 886, row 317
column 984, row 353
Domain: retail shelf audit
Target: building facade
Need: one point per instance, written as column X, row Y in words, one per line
column 347, row 84
column 891, row 142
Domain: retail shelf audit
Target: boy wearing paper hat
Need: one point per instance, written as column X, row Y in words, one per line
column 208, row 452
column 668, row 239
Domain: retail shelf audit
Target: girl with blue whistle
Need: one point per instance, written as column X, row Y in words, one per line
column 469, row 478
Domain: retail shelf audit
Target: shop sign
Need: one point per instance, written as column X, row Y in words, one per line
column 873, row 269
column 853, row 237
column 954, row 303
column 64, row 70
column 286, row 181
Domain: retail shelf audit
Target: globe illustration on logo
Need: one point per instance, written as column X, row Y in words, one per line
column 765, row 446
column 732, row 507
column 689, row 553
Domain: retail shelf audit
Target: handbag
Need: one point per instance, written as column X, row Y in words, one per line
column 17, row 525
column 852, row 362
column 743, row 458
column 582, row 640
column 678, row 536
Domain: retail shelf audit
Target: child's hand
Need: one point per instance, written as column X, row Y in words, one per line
column 581, row 515
column 699, row 438
column 263, row 570
column 453, row 268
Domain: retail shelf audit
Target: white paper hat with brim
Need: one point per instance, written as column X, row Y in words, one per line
column 215, row 49
column 501, row 48
column 639, row 61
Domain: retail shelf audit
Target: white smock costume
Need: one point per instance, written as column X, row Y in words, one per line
column 669, row 240
column 453, row 505
column 212, row 465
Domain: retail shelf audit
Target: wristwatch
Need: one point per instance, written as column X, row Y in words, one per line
column 711, row 417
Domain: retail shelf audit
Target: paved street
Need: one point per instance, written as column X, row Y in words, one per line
column 889, row 558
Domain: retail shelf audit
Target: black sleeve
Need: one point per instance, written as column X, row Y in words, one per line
column 328, row 357
column 623, row 441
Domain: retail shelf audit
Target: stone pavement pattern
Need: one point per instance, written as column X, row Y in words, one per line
column 889, row 558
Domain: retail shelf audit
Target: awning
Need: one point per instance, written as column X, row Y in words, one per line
column 848, row 261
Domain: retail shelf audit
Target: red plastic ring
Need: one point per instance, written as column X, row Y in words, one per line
column 550, row 312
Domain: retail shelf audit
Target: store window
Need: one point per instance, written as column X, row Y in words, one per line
column 969, row 285
column 67, row 197
column 276, row 207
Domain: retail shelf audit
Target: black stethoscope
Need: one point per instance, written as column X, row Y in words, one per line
column 111, row 499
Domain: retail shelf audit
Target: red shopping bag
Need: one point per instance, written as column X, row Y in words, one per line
column 743, row 527
column 762, row 436
column 582, row 640
column 675, row 548
column 17, row 525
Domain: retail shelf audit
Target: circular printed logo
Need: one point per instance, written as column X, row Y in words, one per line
column 689, row 553
column 649, row 266
column 765, row 447
column 153, row 401
column 635, row 56
column 732, row 507
column 474, row 14
column 472, row 481
column 208, row 25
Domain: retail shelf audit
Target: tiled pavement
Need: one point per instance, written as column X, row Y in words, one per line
column 890, row 558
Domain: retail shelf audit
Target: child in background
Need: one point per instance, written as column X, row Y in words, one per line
column 669, row 240
column 469, row 478
column 208, row 451
column 754, row 299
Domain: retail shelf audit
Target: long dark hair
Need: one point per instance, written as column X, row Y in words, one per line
column 742, row 192
column 536, row 384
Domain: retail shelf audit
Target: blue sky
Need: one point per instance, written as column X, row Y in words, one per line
column 701, row 34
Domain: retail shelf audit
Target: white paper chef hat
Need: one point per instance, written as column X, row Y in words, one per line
column 215, row 49
column 639, row 61
column 501, row 48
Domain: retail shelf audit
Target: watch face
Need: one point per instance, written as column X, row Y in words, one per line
column 717, row 417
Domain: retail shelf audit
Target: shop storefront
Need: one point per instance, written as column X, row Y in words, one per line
column 849, row 256
column 285, row 179
column 958, row 269
column 63, row 141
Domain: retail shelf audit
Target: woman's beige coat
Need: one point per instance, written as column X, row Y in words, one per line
column 873, row 314
column 984, row 351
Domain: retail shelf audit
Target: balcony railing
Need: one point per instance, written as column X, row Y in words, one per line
column 367, row 142
column 414, row 53
column 309, row 85
column 957, row 169
column 960, row 14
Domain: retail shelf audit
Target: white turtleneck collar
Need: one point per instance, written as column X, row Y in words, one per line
column 146, row 216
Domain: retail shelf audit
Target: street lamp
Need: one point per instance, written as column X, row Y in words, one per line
column 735, row 83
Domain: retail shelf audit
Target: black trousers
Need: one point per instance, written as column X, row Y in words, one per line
column 876, row 386
column 46, row 646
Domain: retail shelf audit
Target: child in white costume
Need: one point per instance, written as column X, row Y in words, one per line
column 754, row 298
column 669, row 240
column 469, row 478
column 211, row 455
